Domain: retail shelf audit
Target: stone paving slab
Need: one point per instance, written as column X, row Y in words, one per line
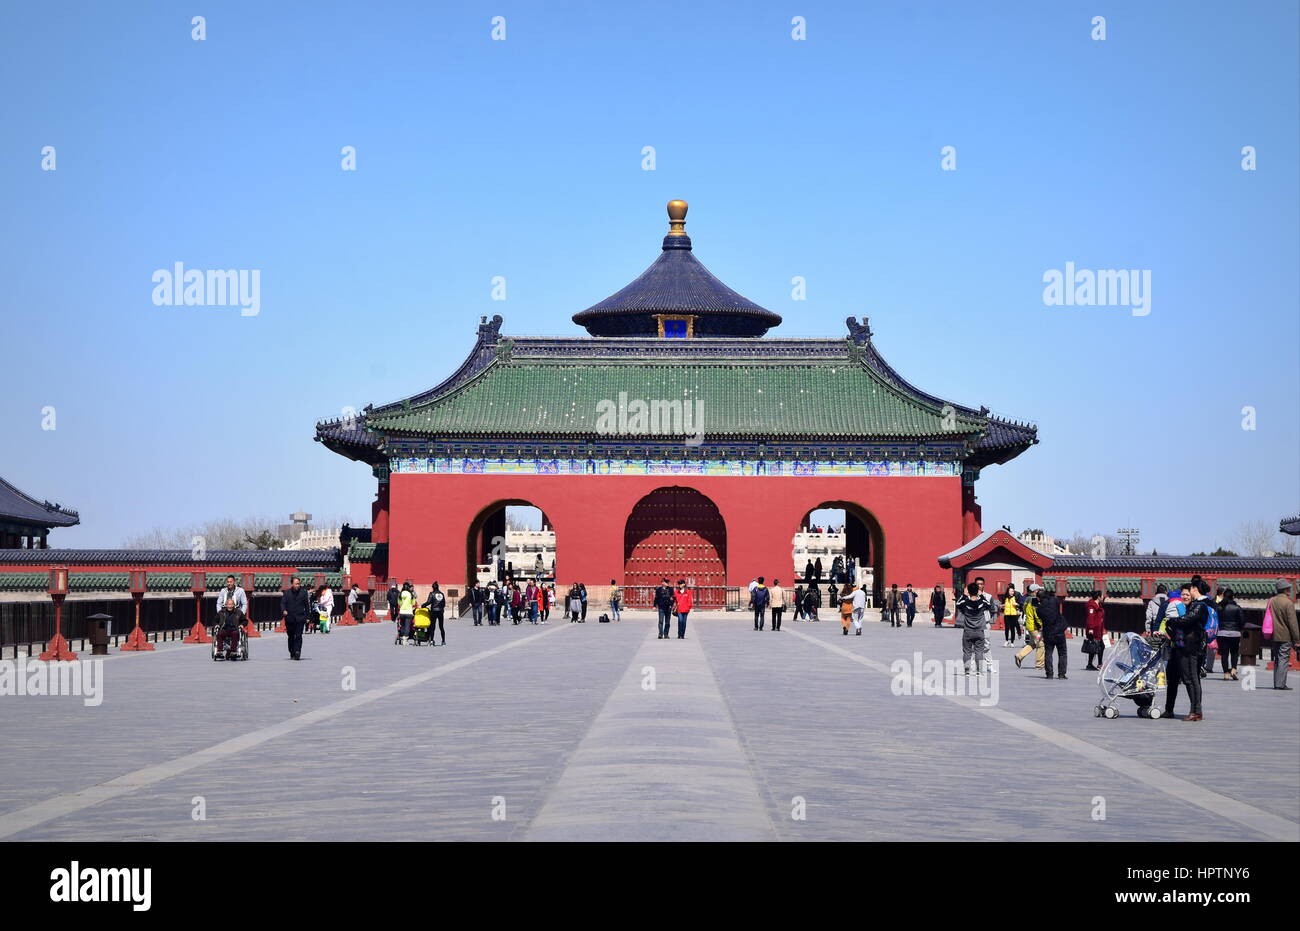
column 873, row 765
column 661, row 762
column 545, row 732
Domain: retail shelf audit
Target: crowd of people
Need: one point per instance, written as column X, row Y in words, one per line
column 1199, row 627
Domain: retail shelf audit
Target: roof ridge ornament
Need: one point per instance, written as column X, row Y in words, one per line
column 860, row 333
column 488, row 332
column 677, row 238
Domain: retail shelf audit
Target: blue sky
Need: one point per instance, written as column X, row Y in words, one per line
column 522, row 158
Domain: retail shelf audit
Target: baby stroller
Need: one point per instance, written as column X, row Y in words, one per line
column 1134, row 669
column 423, row 627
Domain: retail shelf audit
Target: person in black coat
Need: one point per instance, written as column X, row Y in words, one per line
column 1230, row 620
column 437, row 605
column 1053, row 622
column 293, row 610
column 938, row 605
column 393, row 599
column 664, row 605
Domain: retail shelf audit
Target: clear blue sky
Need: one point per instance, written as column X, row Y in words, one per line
column 522, row 158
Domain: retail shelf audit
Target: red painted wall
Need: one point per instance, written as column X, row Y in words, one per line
column 430, row 517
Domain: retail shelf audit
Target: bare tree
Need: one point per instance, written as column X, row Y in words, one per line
column 219, row 534
column 1261, row 538
column 1082, row 544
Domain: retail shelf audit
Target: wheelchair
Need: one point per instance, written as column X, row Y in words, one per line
column 241, row 649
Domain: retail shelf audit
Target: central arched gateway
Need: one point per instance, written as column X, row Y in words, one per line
column 679, row 533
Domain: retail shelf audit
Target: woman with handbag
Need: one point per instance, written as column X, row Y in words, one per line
column 1094, row 630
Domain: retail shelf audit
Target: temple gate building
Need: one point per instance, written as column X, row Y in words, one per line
column 676, row 439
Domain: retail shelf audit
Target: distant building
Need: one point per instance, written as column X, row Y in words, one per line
column 25, row 523
column 1042, row 543
column 299, row 535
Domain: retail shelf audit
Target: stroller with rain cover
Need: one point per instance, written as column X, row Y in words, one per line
column 1134, row 669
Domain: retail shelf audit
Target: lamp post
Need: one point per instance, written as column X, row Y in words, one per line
column 250, row 585
column 58, row 649
column 198, row 588
column 137, row 581
column 371, row 617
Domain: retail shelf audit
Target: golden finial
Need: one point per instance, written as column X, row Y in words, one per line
column 677, row 217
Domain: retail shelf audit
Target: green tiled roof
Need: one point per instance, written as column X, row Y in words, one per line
column 24, row 581
column 97, row 581
column 840, row 398
column 1130, row 587
column 362, row 551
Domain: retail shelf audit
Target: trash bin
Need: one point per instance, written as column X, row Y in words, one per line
column 98, row 630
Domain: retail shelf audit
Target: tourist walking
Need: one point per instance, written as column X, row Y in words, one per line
column 1012, row 607
column 325, row 600
column 892, row 605
column 846, row 610
column 859, row 598
column 970, row 612
column 615, row 600
column 293, row 611
column 1286, row 631
column 909, row 604
column 938, row 605
column 437, row 605
column 582, row 594
column 575, row 605
column 1094, row 630
column 476, row 603
column 798, row 602
column 759, row 597
column 682, row 604
column 405, row 614
column 812, row 600
column 530, row 601
column 1230, row 620
column 1033, row 629
column 664, row 605
column 1052, row 620
column 233, row 592
column 776, row 595
column 354, row 602
column 394, row 598
column 1155, row 613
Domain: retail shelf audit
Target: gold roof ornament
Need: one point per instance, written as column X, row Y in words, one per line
column 677, row 217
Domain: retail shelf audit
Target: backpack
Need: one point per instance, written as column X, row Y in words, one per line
column 604, row 619
column 1212, row 623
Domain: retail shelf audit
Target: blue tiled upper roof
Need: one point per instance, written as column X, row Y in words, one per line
column 676, row 282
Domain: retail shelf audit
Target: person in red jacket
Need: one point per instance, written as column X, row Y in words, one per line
column 682, row 603
column 1094, row 630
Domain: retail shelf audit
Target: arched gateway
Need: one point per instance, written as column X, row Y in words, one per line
column 675, row 533
column 676, row 438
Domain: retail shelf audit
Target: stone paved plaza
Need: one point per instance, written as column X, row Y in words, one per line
column 604, row 732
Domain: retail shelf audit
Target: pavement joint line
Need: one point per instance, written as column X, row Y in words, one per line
column 558, row 806
column 756, row 772
column 1275, row 827
column 67, row 803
